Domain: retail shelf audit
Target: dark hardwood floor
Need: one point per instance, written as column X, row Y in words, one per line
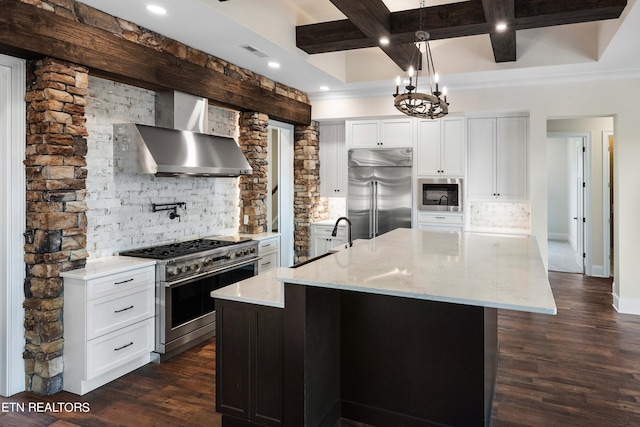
column 579, row 368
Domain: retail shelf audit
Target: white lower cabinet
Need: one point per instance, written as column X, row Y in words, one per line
column 322, row 241
column 438, row 221
column 269, row 252
column 109, row 328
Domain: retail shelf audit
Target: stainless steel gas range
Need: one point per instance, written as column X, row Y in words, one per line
column 186, row 273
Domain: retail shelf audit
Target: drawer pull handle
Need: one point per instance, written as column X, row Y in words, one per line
column 124, row 346
column 441, row 217
column 266, row 245
column 124, row 281
column 123, row 309
column 267, row 263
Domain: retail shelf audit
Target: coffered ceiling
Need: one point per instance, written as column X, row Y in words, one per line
column 334, row 43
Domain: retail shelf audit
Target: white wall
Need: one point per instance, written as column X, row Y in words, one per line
column 544, row 102
column 119, row 205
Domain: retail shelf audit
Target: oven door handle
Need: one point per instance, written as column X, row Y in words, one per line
column 211, row 273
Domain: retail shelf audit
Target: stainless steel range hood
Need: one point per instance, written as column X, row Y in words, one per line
column 164, row 151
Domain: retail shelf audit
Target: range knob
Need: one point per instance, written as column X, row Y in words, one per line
column 231, row 255
column 201, row 264
column 208, row 261
column 193, row 266
column 172, row 270
column 252, row 250
column 184, row 268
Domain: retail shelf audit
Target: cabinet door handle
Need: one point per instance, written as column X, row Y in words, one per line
column 124, row 281
column 123, row 309
column 124, row 346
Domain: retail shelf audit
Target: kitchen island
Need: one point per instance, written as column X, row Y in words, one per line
column 396, row 330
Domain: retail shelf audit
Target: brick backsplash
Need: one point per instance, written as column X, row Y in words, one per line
column 119, row 212
column 513, row 218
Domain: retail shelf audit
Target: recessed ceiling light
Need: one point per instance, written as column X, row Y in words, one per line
column 501, row 26
column 384, row 41
column 273, row 64
column 324, row 88
column 159, row 10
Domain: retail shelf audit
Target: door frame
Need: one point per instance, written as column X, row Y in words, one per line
column 13, row 219
column 285, row 190
column 606, row 203
column 587, row 212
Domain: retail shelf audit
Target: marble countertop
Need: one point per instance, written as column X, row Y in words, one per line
column 485, row 270
column 99, row 267
column 263, row 289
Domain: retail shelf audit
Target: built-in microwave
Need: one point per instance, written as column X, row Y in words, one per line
column 440, row 194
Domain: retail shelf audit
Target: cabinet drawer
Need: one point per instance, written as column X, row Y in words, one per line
column 115, row 349
column 115, row 283
column 269, row 245
column 325, row 231
column 440, row 218
column 268, row 262
column 113, row 312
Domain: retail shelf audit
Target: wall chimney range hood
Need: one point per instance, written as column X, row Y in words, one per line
column 181, row 150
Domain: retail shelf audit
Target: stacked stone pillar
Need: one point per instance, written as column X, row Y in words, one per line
column 307, row 204
column 253, row 188
column 55, row 238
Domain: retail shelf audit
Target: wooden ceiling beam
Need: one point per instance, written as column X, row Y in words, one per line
column 27, row 31
column 453, row 20
column 502, row 42
column 373, row 19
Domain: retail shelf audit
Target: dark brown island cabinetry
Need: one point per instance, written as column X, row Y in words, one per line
column 249, row 364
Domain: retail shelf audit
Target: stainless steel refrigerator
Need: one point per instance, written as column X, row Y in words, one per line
column 379, row 193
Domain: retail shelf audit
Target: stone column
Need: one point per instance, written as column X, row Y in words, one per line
column 55, row 238
column 253, row 188
column 307, row 203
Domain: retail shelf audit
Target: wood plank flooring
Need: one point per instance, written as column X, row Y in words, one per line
column 579, row 368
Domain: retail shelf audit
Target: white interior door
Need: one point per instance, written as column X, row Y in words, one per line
column 12, row 220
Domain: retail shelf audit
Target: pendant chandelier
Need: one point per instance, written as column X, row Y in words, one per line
column 422, row 104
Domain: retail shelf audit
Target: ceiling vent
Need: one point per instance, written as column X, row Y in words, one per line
column 255, row 51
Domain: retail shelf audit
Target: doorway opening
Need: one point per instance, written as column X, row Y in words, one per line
column 280, row 187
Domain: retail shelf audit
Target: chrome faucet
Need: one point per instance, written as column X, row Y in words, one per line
column 334, row 233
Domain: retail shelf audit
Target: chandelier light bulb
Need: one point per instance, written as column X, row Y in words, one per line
column 436, row 77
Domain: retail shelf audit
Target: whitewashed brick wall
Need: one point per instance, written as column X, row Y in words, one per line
column 494, row 217
column 120, row 216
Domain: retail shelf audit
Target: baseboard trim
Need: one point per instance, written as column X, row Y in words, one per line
column 563, row 237
column 598, row 271
column 626, row 305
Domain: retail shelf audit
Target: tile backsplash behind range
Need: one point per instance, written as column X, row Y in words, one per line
column 120, row 215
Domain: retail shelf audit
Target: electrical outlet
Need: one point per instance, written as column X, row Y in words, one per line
column 246, row 219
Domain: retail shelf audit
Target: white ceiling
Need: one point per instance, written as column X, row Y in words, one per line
column 589, row 50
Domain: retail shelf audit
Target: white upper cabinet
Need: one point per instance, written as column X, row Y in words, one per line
column 385, row 133
column 440, row 147
column 333, row 160
column 498, row 165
